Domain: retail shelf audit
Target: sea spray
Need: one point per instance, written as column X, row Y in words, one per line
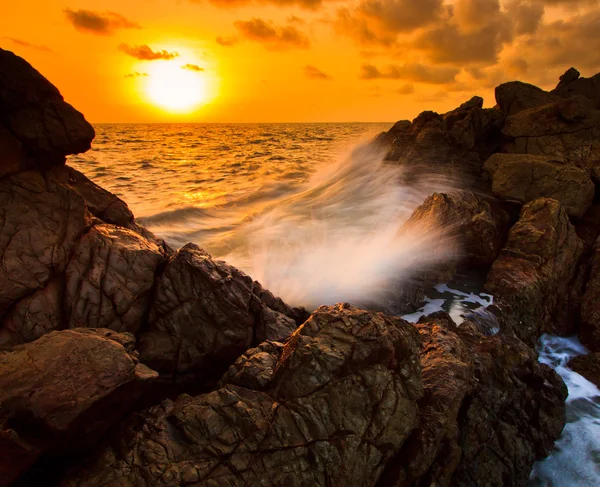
column 338, row 238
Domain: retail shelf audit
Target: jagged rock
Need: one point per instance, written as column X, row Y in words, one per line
column 566, row 130
column 453, row 144
column 109, row 279
column 524, row 178
column 340, row 402
column 478, row 229
column 62, row 392
column 534, row 273
column 205, row 314
column 33, row 110
column 12, row 157
column 40, row 221
column 589, row 324
column 587, row 366
column 515, row 96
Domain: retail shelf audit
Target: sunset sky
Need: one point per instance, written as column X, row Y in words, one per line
column 295, row 60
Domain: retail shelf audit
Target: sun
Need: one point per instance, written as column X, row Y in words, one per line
column 175, row 88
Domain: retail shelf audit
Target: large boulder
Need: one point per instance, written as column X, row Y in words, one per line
column 588, row 366
column 533, row 276
column 566, row 130
column 339, row 403
column 572, row 84
column 515, row 96
column 35, row 113
column 61, row 393
column 524, row 178
column 206, row 313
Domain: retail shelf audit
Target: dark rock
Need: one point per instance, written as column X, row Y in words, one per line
column 568, row 77
column 534, row 273
column 62, row 392
column 589, row 325
column 514, row 97
column 572, row 85
column 524, row 178
column 205, row 314
column 588, row 366
column 34, row 111
column 340, row 402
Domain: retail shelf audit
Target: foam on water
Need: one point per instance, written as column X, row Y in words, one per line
column 575, row 460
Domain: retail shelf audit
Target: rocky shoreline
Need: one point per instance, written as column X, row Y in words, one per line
column 126, row 362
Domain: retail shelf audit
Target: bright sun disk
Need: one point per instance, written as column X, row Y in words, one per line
column 175, row 88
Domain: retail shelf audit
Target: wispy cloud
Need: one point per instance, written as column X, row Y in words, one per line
column 411, row 71
column 315, row 73
column 145, row 53
column 192, row 67
column 272, row 36
column 29, row 45
column 102, row 23
column 227, row 41
column 136, row 75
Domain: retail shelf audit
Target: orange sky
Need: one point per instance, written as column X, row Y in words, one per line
column 295, row 60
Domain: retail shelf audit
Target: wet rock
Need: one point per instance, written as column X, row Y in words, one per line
column 62, row 392
column 109, row 279
column 341, row 401
column 478, row 229
column 589, row 325
column 40, row 221
column 515, row 96
column 533, row 276
column 587, row 366
column 524, row 178
column 35, row 113
column 205, row 314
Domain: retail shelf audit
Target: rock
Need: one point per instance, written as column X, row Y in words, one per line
column 524, row 178
column 205, row 314
column 571, row 84
column 62, row 392
column 340, row 402
column 568, row 77
column 478, row 229
column 109, row 279
column 514, row 97
column 40, row 221
column 454, row 144
column 16, row 457
column 12, row 155
column 589, row 324
column 565, row 130
column 534, row 273
column 588, row 366
column 34, row 112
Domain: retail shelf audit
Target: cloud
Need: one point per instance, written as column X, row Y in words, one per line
column 145, row 53
column 103, row 23
column 407, row 89
column 136, row 75
column 305, row 4
column 313, row 72
column 227, row 41
column 192, row 67
column 416, row 72
column 29, row 45
column 272, row 36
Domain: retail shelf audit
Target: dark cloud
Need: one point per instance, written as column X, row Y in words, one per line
column 407, row 89
column 315, row 73
column 526, row 14
column 136, row 75
column 305, row 4
column 144, row 53
column 226, row 41
column 192, row 67
column 272, row 36
column 29, row 45
column 416, row 72
column 103, row 23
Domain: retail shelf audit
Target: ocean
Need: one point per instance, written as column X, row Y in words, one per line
column 312, row 212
